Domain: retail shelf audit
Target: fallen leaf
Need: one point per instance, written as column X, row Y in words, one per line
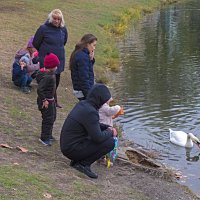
column 15, row 163
column 47, row 195
column 5, row 146
column 22, row 149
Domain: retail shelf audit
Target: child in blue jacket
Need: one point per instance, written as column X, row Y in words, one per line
column 20, row 76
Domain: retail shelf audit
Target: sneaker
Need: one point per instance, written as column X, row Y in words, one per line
column 46, row 142
column 52, row 139
column 25, row 90
column 85, row 169
column 72, row 163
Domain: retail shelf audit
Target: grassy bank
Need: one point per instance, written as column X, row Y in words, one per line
column 102, row 18
column 44, row 173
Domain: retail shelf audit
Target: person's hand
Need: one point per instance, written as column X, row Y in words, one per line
column 114, row 131
column 92, row 55
column 45, row 104
column 121, row 112
column 22, row 64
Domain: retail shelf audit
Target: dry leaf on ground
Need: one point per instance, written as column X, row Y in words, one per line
column 15, row 163
column 22, row 149
column 5, row 146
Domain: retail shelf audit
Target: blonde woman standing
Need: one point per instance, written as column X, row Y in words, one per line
column 51, row 37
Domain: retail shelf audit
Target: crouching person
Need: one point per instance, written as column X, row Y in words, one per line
column 46, row 103
column 20, row 75
column 83, row 139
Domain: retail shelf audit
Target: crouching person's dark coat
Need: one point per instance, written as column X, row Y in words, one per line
column 82, row 126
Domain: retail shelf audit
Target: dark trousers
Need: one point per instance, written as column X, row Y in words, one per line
column 23, row 81
column 48, row 119
column 88, row 152
column 57, row 80
column 57, row 84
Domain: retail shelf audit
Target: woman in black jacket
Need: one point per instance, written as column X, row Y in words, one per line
column 52, row 37
column 81, row 65
column 83, row 139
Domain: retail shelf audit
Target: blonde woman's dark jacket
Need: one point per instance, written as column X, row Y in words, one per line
column 51, row 39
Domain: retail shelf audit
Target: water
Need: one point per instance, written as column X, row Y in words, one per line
column 160, row 85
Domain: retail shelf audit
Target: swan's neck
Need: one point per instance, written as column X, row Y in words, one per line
column 189, row 142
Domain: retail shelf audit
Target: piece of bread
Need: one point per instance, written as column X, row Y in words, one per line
column 121, row 112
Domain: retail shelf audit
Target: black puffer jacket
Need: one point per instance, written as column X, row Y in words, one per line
column 46, row 85
column 82, row 123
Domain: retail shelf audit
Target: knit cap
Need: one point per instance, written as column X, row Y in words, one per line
column 30, row 42
column 24, row 59
column 51, row 61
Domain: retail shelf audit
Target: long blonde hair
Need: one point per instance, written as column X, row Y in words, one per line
column 57, row 13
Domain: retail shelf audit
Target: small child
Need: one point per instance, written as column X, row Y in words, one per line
column 106, row 115
column 20, row 75
column 33, row 66
column 46, row 103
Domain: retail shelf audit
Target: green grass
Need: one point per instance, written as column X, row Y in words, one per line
column 18, row 183
column 17, row 112
column 7, row 130
column 139, row 196
column 84, row 189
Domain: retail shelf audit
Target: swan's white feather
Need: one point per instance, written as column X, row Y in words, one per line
column 180, row 138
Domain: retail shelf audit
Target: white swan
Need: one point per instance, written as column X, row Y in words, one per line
column 183, row 139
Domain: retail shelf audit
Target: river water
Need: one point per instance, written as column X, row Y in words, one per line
column 159, row 86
